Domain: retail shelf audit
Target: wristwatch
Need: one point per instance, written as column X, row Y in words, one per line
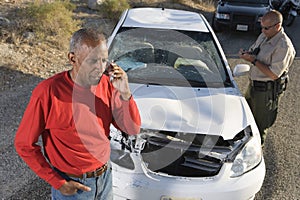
column 254, row 61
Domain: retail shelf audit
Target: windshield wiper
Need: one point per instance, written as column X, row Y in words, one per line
column 196, row 83
column 227, row 83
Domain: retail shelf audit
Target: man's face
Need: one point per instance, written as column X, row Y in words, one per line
column 269, row 28
column 91, row 62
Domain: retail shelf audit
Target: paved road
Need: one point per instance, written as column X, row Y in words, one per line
column 281, row 151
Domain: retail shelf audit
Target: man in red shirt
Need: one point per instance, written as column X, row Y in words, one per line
column 72, row 112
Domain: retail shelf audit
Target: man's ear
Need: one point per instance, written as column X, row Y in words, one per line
column 71, row 57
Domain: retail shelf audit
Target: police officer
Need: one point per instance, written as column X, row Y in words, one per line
column 271, row 56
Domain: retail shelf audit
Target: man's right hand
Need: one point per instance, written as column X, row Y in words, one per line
column 71, row 187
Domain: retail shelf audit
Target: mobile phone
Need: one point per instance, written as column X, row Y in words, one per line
column 109, row 68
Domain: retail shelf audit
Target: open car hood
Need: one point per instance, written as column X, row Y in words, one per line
column 217, row 111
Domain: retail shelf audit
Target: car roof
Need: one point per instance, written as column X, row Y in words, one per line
column 165, row 19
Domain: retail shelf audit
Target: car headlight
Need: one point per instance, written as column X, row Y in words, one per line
column 222, row 16
column 249, row 157
column 259, row 19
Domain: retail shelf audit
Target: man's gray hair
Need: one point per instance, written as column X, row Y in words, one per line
column 274, row 16
column 88, row 36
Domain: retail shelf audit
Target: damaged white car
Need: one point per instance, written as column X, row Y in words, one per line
column 199, row 140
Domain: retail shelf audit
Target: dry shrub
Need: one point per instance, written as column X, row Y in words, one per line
column 114, row 8
column 205, row 5
column 51, row 22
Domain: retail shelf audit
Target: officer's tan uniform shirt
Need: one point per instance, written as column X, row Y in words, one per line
column 278, row 53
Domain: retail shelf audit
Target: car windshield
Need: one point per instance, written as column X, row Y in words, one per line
column 169, row 57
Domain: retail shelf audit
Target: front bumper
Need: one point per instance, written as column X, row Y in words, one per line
column 149, row 186
column 237, row 26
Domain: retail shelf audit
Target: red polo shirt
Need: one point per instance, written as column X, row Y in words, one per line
column 74, row 124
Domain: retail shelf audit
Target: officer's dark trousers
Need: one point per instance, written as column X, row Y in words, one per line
column 264, row 106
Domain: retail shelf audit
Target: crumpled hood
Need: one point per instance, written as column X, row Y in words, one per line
column 205, row 110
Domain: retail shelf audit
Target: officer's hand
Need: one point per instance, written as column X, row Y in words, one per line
column 242, row 51
column 71, row 187
column 247, row 56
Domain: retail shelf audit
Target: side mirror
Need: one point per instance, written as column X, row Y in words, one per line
column 241, row 70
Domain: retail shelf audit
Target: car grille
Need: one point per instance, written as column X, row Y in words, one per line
column 247, row 19
column 189, row 155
